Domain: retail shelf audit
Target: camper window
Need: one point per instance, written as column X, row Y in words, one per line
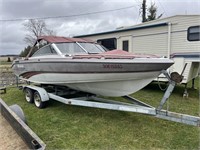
column 108, row 43
column 193, row 33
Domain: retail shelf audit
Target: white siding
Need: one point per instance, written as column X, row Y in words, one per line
column 179, row 43
column 156, row 43
column 152, row 44
column 150, row 41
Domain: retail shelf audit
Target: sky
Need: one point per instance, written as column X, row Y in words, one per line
column 112, row 14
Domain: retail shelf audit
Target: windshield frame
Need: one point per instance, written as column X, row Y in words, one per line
column 99, row 49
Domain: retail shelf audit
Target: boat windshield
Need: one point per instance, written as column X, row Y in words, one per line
column 45, row 50
column 76, row 48
column 92, row 48
column 69, row 48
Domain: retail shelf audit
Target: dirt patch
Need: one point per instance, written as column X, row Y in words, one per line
column 9, row 139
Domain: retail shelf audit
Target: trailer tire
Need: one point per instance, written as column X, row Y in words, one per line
column 29, row 95
column 38, row 101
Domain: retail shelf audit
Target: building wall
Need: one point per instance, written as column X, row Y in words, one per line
column 155, row 40
column 179, row 42
column 150, row 41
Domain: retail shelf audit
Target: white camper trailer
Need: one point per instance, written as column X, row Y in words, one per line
column 176, row 37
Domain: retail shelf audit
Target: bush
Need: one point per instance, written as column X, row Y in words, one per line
column 9, row 60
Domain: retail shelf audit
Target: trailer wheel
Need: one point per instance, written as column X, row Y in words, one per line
column 28, row 95
column 38, row 101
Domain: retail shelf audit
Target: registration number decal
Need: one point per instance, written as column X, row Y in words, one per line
column 112, row 66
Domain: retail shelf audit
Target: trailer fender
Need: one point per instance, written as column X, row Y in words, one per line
column 43, row 93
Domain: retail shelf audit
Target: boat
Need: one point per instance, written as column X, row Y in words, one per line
column 87, row 66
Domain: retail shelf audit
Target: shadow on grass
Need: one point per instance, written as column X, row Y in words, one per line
column 80, row 111
column 178, row 90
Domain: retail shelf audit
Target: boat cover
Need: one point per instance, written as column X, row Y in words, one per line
column 115, row 54
column 56, row 39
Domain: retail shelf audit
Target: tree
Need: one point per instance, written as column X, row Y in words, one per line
column 26, row 50
column 9, row 60
column 36, row 28
column 152, row 13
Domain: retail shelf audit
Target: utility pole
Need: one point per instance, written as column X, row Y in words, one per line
column 144, row 11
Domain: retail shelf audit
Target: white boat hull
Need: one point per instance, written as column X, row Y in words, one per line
column 108, row 84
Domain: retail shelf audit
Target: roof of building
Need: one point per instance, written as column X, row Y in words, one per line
column 149, row 24
column 123, row 29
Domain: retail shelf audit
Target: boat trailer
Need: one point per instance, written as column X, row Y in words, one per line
column 41, row 94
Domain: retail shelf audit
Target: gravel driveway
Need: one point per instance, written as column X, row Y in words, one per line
column 9, row 139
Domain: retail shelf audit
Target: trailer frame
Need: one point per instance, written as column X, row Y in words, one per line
column 41, row 95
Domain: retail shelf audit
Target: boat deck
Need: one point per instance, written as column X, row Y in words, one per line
column 9, row 138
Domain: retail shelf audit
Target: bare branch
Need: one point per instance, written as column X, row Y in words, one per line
column 36, row 28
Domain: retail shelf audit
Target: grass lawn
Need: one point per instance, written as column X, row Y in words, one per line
column 69, row 127
column 5, row 63
column 5, row 66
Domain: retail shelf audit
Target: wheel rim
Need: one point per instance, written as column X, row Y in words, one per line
column 28, row 96
column 37, row 99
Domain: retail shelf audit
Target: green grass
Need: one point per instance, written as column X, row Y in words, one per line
column 62, row 126
column 5, row 63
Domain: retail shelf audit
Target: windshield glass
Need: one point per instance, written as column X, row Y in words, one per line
column 92, row 48
column 69, row 48
column 45, row 50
